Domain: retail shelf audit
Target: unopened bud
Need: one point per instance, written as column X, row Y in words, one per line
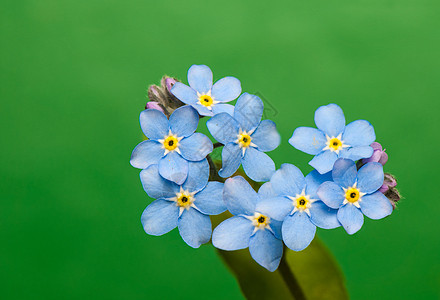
column 379, row 155
column 154, row 105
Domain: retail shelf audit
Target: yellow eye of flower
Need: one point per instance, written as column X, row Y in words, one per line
column 171, row 143
column 260, row 221
column 301, row 202
column 335, row 144
column 184, row 200
column 352, row 195
column 244, row 140
column 206, row 100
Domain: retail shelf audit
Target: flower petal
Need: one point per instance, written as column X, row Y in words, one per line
column 202, row 110
column 314, row 180
column 359, row 133
column 198, row 175
column 146, row 153
column 200, row 78
column 223, row 108
column 184, row 93
column 226, row 89
column 195, row 147
column 351, row 218
column 184, row 121
column 266, row 136
column 248, row 111
column 232, row 234
column 331, row 194
column 276, row 207
column 330, row 119
column 174, row 168
column 298, row 231
column 223, row 128
column 324, row 161
column 376, row 206
column 155, row 185
column 357, row 153
column 160, row 217
column 308, row 140
column 288, row 181
column 154, row 124
column 324, row 216
column 370, row 177
column 266, row 249
column 210, row 200
column 258, row 165
column 266, row 190
column 231, row 160
column 344, row 172
column 194, row 227
column 240, row 198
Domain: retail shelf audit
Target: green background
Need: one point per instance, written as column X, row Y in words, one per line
column 73, row 80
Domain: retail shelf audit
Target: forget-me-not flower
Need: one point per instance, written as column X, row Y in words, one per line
column 291, row 198
column 355, row 193
column 333, row 139
column 171, row 143
column 186, row 206
column 249, row 227
column 246, row 139
column 208, row 99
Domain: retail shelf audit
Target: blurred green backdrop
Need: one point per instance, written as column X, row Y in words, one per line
column 73, row 81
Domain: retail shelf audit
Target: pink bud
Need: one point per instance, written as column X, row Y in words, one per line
column 379, row 155
column 154, row 105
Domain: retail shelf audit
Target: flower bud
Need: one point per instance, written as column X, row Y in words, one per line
column 154, row 105
column 379, row 155
column 388, row 182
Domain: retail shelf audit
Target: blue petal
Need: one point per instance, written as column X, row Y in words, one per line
column 160, row 217
column 154, row 124
column 198, row 175
column 324, row 216
column 276, row 228
column 350, row 218
column 330, row 119
column 288, row 181
column 324, row 161
column 223, row 128
column 266, row 136
column 184, row 93
column 155, row 186
column 266, row 190
column 370, row 177
column 357, row 153
column 200, row 78
column 359, row 133
column 258, row 165
column 298, row 231
column 210, row 200
column 202, row 110
column 376, row 206
column 174, row 168
column 231, row 160
column 232, row 234
column 344, row 172
column 308, row 140
column 146, row 153
column 194, row 227
column 277, row 207
column 314, row 180
column 195, row 147
column 223, row 108
column 266, row 249
column 331, row 194
column 184, row 121
column 248, row 111
column 226, row 89
column 240, row 198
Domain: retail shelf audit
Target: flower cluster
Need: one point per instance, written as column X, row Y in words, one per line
column 348, row 181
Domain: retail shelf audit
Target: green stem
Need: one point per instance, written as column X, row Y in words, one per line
column 213, row 172
column 290, row 280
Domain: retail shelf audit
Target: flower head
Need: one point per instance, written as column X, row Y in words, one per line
column 246, row 138
column 379, row 155
column 201, row 94
column 333, row 139
column 355, row 193
column 171, row 143
column 185, row 206
column 249, row 227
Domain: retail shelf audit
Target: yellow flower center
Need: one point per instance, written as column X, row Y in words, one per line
column 352, row 195
column 335, row 144
column 184, row 200
column 301, row 203
column 170, row 143
column 260, row 221
column 206, row 100
column 244, row 140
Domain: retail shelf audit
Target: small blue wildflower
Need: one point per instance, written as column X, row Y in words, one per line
column 208, row 99
column 246, row 139
column 186, row 206
column 355, row 193
column 172, row 143
column 291, row 198
column 249, row 227
column 333, row 139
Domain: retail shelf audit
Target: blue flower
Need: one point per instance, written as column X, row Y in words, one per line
column 249, row 227
column 208, row 99
column 355, row 193
column 186, row 206
column 172, row 143
column 291, row 198
column 246, row 139
column 333, row 139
